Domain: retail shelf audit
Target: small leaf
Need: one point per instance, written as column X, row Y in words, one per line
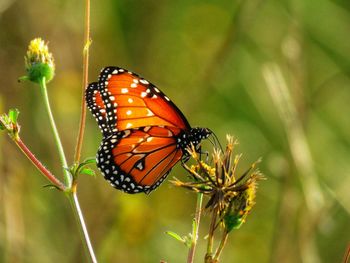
column 2, row 126
column 88, row 171
column 13, row 115
column 176, row 236
column 52, row 186
column 5, row 123
column 89, row 160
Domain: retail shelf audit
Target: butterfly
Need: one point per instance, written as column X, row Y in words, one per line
column 144, row 133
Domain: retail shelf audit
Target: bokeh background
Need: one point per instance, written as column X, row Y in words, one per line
column 275, row 74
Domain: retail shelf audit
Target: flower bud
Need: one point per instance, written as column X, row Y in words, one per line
column 240, row 206
column 39, row 61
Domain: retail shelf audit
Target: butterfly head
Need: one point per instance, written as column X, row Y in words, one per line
column 194, row 136
column 197, row 134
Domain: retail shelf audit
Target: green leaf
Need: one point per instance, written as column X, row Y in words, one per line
column 2, row 126
column 176, row 236
column 52, row 186
column 5, row 122
column 89, row 160
column 233, row 222
column 88, row 171
column 13, row 115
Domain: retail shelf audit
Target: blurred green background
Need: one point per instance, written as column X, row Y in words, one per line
column 273, row 73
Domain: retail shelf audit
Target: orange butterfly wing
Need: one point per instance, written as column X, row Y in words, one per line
column 97, row 106
column 141, row 158
column 141, row 129
column 137, row 103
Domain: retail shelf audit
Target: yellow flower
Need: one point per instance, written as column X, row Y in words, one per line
column 39, row 62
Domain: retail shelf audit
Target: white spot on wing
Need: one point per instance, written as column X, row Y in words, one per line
column 149, row 112
column 124, row 90
column 130, row 100
column 143, row 81
column 129, row 112
column 140, row 166
column 126, row 133
column 128, row 125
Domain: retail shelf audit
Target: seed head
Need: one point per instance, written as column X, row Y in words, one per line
column 231, row 195
column 39, row 62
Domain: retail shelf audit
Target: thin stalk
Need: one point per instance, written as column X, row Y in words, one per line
column 195, row 228
column 67, row 176
column 71, row 194
column 73, row 198
column 39, row 165
column 347, row 255
column 221, row 246
column 211, row 234
column 85, row 82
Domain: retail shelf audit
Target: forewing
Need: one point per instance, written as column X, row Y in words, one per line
column 133, row 102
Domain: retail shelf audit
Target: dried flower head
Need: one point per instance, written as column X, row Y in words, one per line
column 230, row 195
column 39, row 62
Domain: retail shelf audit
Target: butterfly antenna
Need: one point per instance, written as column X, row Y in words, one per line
column 216, row 141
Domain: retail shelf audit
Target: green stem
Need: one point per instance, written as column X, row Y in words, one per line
column 71, row 192
column 73, row 198
column 195, row 228
column 211, row 235
column 67, row 175
column 221, row 246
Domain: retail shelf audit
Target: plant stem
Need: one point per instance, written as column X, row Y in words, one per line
column 211, row 234
column 71, row 192
column 347, row 255
column 221, row 246
column 67, row 176
column 195, row 228
column 85, row 82
column 39, row 165
column 73, row 198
